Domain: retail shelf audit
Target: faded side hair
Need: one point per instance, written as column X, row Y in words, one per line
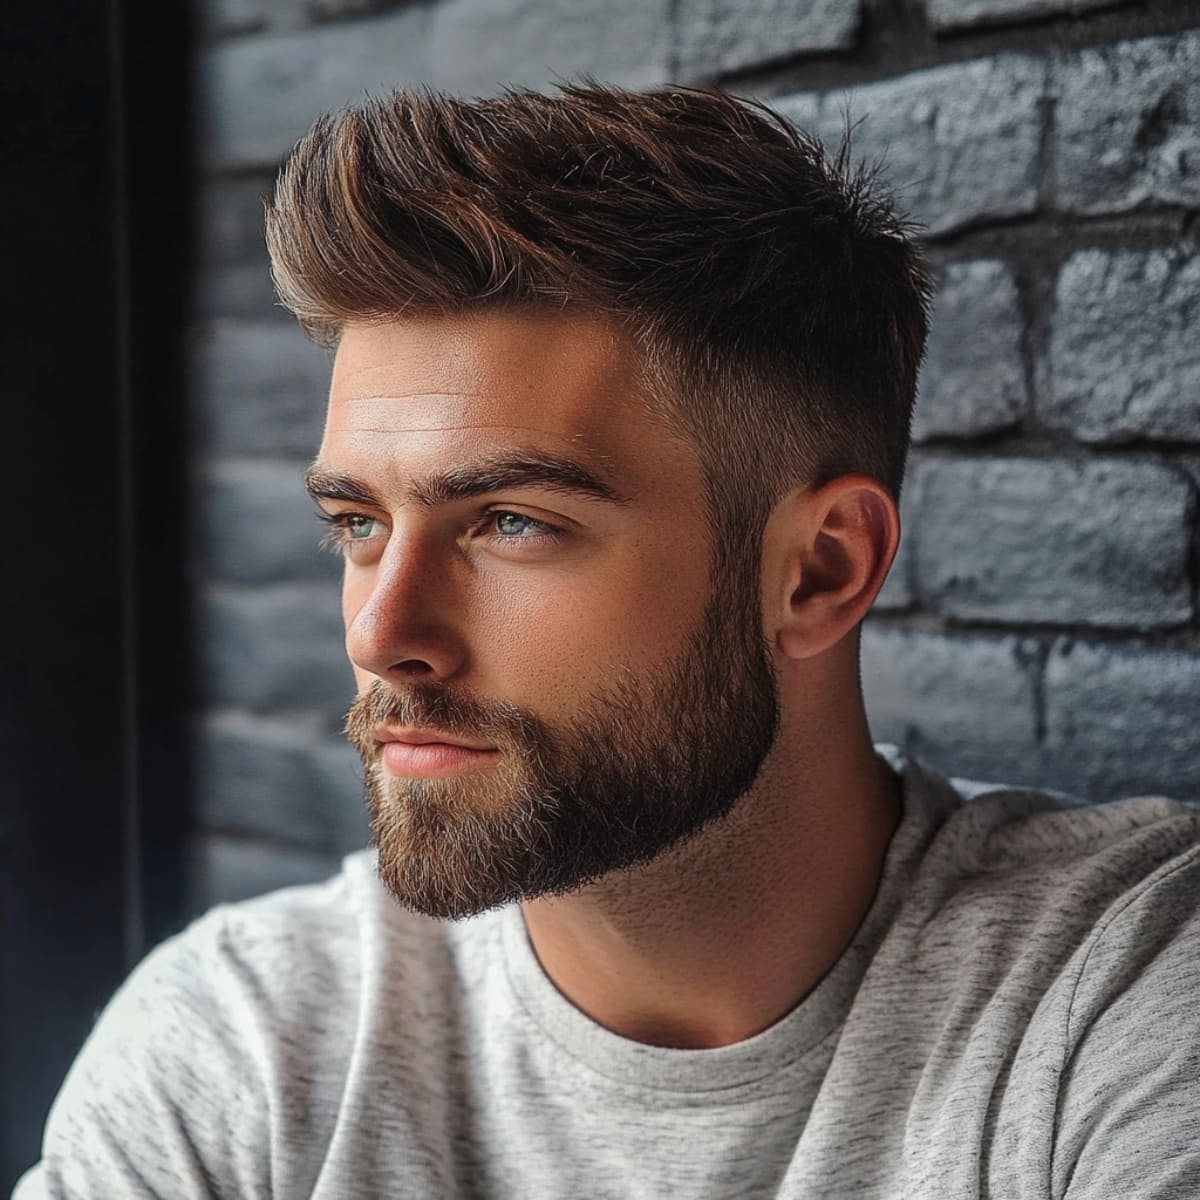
column 779, row 300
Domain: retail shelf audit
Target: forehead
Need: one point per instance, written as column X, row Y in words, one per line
column 540, row 380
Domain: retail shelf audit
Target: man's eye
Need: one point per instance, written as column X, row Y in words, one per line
column 347, row 529
column 515, row 527
column 358, row 527
column 512, row 524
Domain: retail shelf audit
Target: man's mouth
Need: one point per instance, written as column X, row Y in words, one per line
column 424, row 737
column 432, row 759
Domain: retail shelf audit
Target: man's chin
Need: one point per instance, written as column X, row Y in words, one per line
column 428, row 880
column 450, row 851
column 446, row 896
column 430, row 898
column 442, row 866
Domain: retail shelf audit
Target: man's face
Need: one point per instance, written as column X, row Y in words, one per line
column 527, row 573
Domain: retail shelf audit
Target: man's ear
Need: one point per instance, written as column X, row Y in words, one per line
column 832, row 548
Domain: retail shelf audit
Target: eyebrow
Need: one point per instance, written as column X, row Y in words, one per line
column 478, row 478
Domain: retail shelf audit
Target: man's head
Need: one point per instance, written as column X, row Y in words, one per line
column 588, row 348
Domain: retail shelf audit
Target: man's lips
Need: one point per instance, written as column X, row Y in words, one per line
column 424, row 737
column 427, row 753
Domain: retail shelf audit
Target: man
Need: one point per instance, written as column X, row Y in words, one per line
column 616, row 431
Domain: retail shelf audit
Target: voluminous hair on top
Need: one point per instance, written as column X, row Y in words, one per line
column 778, row 299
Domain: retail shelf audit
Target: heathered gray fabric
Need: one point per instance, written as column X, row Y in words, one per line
column 1018, row 1016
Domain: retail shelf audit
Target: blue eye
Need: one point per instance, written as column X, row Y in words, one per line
column 358, row 527
column 506, row 518
column 528, row 530
column 347, row 529
column 512, row 529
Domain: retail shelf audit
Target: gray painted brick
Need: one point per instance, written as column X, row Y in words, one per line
column 224, row 870
column 960, row 14
column 803, row 109
column 233, row 271
column 973, row 381
column 897, row 592
column 959, row 143
column 332, row 10
column 281, row 778
column 229, row 218
column 259, row 94
column 227, row 18
column 715, row 36
column 257, row 525
column 1128, row 125
column 233, row 290
column 1123, row 721
column 1191, row 464
column 966, row 704
column 1102, row 543
column 274, row 648
column 479, row 46
column 257, row 387
column 1124, row 350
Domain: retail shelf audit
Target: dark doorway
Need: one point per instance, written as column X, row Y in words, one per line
column 95, row 674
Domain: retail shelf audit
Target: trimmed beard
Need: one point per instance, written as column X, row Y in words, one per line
column 646, row 764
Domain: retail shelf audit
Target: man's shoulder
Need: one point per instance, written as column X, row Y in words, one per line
column 1004, row 832
column 295, row 924
column 234, row 1034
column 1006, row 861
column 314, row 941
column 280, row 974
column 1059, row 908
column 1039, row 980
column 285, row 952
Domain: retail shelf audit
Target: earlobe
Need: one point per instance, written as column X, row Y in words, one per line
column 845, row 539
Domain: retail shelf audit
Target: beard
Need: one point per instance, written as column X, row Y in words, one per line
column 645, row 764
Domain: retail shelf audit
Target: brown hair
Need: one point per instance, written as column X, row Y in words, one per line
column 779, row 301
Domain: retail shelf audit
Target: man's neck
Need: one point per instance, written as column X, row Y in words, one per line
column 716, row 940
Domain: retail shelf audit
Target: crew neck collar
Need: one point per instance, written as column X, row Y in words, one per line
column 926, row 797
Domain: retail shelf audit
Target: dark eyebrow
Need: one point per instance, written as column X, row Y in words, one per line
column 490, row 474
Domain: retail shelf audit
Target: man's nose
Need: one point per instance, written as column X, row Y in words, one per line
column 399, row 618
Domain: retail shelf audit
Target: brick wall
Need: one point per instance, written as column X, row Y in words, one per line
column 1040, row 625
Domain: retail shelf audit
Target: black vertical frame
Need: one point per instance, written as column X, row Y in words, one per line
column 95, row 674
column 156, row 148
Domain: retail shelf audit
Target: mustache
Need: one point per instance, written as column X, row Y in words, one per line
column 448, row 711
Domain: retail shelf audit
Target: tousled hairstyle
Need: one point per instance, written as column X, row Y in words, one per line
column 779, row 301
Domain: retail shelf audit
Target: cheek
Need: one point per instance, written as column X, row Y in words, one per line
column 635, row 611
column 660, row 602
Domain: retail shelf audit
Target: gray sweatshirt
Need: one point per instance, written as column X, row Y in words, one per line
column 1018, row 1016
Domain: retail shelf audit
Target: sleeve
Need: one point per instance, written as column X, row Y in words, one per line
column 163, row 1100
column 1128, row 1119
